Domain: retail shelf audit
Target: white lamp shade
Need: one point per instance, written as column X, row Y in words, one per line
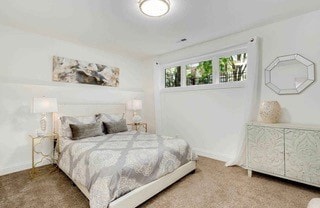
column 134, row 105
column 44, row 105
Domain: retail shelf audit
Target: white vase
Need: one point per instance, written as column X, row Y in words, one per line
column 270, row 111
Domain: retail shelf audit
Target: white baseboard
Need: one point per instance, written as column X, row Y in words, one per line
column 215, row 156
column 15, row 168
column 19, row 167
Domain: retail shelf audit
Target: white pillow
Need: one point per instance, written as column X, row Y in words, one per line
column 65, row 130
column 104, row 117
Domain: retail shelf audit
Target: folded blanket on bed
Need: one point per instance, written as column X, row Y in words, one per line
column 115, row 164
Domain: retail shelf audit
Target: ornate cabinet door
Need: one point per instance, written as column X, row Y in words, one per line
column 265, row 149
column 302, row 155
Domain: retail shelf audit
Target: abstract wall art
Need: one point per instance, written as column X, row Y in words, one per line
column 74, row 71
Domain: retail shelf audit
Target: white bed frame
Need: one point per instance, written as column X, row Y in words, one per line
column 141, row 194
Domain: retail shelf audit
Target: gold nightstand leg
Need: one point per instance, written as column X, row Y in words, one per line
column 33, row 170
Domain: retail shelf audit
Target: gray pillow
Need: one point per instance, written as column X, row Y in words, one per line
column 116, row 126
column 80, row 131
column 64, row 127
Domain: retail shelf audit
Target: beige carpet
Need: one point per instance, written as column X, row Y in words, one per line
column 213, row 185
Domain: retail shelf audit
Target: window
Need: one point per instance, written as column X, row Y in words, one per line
column 233, row 68
column 222, row 69
column 173, row 77
column 199, row 73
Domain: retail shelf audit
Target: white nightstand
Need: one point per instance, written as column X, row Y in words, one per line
column 36, row 141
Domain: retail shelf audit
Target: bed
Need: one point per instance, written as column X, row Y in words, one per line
column 121, row 170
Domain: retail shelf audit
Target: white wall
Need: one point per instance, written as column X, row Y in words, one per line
column 211, row 120
column 26, row 71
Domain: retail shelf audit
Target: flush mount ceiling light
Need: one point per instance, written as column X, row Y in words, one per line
column 154, row 8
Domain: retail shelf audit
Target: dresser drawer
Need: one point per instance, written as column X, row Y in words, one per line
column 265, row 149
column 302, row 155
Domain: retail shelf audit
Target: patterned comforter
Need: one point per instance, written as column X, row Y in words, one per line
column 112, row 165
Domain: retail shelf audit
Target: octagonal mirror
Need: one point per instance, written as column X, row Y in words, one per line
column 289, row 74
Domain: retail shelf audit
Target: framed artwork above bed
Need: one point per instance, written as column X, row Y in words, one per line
column 75, row 71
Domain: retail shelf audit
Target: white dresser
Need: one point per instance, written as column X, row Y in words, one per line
column 284, row 150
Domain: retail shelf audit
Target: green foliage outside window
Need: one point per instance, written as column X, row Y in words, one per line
column 173, row 77
column 199, row 73
column 233, row 68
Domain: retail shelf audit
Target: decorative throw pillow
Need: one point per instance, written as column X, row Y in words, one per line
column 106, row 118
column 80, row 131
column 116, row 126
column 65, row 130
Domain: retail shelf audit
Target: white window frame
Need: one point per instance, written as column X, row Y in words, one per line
column 214, row 57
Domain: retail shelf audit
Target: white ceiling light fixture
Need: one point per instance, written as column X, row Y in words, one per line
column 154, row 8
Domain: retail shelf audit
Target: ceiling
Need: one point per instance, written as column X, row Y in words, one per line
column 118, row 25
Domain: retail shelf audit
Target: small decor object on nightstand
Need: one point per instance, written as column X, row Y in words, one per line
column 44, row 105
column 270, row 111
column 139, row 126
column 36, row 142
column 135, row 105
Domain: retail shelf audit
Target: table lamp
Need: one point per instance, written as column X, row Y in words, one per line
column 44, row 105
column 135, row 105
